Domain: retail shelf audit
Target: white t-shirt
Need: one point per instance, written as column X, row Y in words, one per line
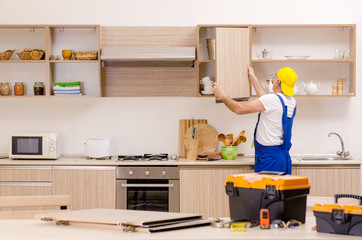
column 270, row 128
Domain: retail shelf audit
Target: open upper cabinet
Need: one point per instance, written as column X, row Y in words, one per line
column 323, row 56
column 223, row 56
column 320, row 55
column 51, row 68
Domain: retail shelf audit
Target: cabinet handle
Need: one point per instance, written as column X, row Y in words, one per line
column 26, row 168
column 26, row 184
column 84, row 168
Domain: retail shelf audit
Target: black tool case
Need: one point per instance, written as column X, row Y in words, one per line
column 334, row 218
column 285, row 196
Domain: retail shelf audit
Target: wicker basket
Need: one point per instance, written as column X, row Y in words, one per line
column 6, row 55
column 30, row 54
column 88, row 55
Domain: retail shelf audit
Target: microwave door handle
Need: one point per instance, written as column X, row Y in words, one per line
column 146, row 185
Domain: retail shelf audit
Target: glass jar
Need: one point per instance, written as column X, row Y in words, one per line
column 5, row 89
column 19, row 89
column 39, row 88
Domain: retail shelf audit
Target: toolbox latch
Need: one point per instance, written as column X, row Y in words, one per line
column 230, row 190
column 271, row 193
column 338, row 216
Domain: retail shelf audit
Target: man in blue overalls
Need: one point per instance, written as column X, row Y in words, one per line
column 273, row 131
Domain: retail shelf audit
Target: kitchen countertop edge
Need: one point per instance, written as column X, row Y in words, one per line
column 239, row 161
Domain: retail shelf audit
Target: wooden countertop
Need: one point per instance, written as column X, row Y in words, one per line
column 239, row 161
column 37, row 230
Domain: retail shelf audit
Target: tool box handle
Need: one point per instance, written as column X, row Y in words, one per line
column 272, row 173
column 337, row 196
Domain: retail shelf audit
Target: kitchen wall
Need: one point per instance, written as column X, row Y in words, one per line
column 138, row 125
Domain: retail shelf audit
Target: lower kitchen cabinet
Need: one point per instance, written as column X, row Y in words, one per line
column 88, row 186
column 25, row 180
column 202, row 190
column 327, row 181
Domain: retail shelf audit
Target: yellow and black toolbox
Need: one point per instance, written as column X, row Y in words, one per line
column 334, row 218
column 285, row 196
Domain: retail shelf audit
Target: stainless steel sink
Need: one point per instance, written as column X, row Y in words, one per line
column 324, row 158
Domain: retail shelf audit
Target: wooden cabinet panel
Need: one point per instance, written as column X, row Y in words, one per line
column 25, row 181
column 326, row 182
column 89, row 187
column 25, row 188
column 202, row 190
column 25, row 173
column 232, row 58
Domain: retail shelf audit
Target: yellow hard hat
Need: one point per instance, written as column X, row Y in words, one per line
column 288, row 78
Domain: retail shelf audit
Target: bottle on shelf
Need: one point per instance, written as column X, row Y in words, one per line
column 39, row 88
column 211, row 48
column 19, row 89
column 5, row 89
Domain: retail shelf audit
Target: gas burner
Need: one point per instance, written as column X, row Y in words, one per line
column 130, row 158
column 155, row 157
column 148, row 157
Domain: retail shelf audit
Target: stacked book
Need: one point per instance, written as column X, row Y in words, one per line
column 67, row 88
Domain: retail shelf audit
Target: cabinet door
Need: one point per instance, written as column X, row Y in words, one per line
column 202, row 190
column 88, row 186
column 232, row 58
column 326, row 182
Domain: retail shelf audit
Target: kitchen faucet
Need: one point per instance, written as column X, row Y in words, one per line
column 342, row 153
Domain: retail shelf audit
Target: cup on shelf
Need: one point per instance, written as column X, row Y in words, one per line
column 339, row 89
column 334, row 90
column 208, row 88
column 206, row 80
column 348, row 54
column 67, row 54
column 338, row 54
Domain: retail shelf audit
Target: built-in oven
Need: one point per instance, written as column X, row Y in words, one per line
column 149, row 188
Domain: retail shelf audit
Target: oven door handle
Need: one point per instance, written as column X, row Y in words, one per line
column 146, row 185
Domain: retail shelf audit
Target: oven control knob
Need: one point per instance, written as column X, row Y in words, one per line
column 130, row 173
column 164, row 173
column 147, row 173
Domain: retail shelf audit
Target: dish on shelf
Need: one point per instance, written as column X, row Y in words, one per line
column 87, row 55
column 31, row 54
column 207, row 93
column 296, row 57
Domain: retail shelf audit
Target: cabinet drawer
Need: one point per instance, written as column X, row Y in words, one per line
column 25, row 188
column 25, row 173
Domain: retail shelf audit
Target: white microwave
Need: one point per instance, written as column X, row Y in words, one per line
column 34, row 146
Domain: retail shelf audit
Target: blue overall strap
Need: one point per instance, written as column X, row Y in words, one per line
column 287, row 123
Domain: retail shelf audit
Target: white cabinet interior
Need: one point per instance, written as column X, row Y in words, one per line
column 76, row 38
column 323, row 53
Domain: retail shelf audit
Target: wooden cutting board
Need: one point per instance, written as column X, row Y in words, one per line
column 184, row 125
column 207, row 138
